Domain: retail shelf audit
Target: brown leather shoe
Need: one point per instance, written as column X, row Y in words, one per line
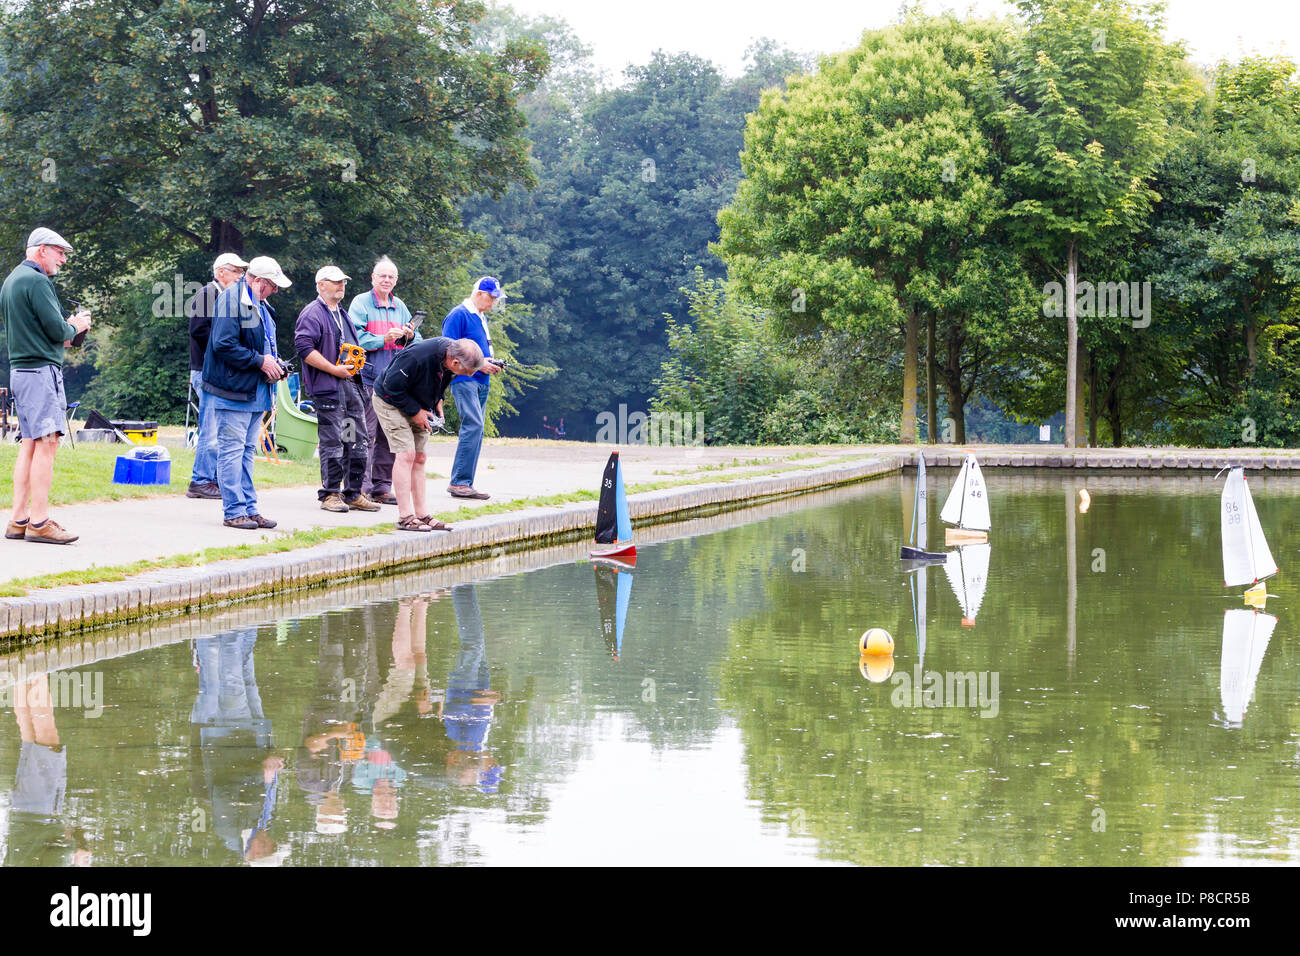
column 17, row 530
column 465, row 491
column 49, row 533
column 242, row 522
column 361, row 503
column 334, row 503
column 262, row 522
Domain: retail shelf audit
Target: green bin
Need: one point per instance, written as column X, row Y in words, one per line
column 295, row 430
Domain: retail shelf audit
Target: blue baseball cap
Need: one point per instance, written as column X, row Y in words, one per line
column 491, row 286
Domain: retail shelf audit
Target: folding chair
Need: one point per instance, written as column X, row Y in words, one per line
column 191, row 405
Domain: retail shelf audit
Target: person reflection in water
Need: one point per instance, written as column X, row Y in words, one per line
column 231, row 747
column 332, row 741
column 378, row 774
column 37, row 835
column 466, row 711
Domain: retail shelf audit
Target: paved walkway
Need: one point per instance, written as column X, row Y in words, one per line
column 120, row 532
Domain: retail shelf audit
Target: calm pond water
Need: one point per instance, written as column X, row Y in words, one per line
column 1093, row 713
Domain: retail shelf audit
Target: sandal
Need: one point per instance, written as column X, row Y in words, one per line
column 412, row 523
column 433, row 523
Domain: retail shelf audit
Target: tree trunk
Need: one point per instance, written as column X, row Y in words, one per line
column 1116, row 424
column 1071, row 347
column 931, row 386
column 907, row 434
column 1093, row 411
column 952, row 382
column 1252, row 348
column 225, row 237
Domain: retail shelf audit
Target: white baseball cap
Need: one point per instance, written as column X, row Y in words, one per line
column 331, row 273
column 229, row 259
column 46, row 237
column 264, row 267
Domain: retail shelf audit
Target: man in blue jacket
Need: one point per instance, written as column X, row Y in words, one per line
column 469, row 321
column 239, row 368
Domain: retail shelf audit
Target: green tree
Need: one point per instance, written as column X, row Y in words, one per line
column 870, row 200
column 1224, row 256
column 630, row 180
column 1089, row 95
column 156, row 135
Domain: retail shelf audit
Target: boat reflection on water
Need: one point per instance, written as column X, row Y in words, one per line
column 1245, row 639
column 613, row 594
column 968, row 573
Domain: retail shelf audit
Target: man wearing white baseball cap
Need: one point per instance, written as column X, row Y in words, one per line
column 239, row 368
column 226, row 270
column 37, row 334
column 334, row 384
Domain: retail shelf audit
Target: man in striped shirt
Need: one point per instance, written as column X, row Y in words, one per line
column 383, row 324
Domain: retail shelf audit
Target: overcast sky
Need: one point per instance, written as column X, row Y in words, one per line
column 628, row 31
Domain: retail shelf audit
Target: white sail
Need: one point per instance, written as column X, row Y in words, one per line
column 951, row 513
column 920, row 506
column 968, row 574
column 1245, row 639
column 968, row 502
column 1246, row 557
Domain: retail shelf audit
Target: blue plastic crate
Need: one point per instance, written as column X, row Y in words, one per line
column 142, row 471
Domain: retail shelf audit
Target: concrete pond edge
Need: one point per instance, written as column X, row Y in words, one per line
column 174, row 591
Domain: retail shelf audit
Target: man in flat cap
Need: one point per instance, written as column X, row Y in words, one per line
column 239, row 369
column 226, row 270
column 323, row 328
column 37, row 334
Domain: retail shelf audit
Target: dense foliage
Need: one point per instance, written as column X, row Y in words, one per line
column 881, row 246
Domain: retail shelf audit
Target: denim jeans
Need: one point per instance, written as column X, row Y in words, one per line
column 471, row 398
column 205, row 449
column 236, row 442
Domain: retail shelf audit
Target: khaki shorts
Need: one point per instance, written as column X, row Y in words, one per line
column 401, row 432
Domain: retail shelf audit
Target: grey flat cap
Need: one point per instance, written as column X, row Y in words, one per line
column 46, row 237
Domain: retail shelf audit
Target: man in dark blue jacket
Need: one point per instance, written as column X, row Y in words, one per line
column 238, row 368
column 323, row 329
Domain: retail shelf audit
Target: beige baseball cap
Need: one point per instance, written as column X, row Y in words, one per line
column 264, row 267
column 331, row 273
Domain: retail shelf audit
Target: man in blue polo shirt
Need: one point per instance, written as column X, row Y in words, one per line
column 469, row 321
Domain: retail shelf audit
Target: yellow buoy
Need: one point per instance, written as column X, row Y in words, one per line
column 876, row 642
column 876, row 668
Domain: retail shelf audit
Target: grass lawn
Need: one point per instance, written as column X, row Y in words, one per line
column 85, row 474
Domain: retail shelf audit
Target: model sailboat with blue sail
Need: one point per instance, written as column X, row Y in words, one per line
column 613, row 521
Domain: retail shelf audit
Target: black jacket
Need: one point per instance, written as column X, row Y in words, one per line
column 417, row 377
column 200, row 309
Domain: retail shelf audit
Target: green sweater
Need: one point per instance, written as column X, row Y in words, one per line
column 33, row 319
